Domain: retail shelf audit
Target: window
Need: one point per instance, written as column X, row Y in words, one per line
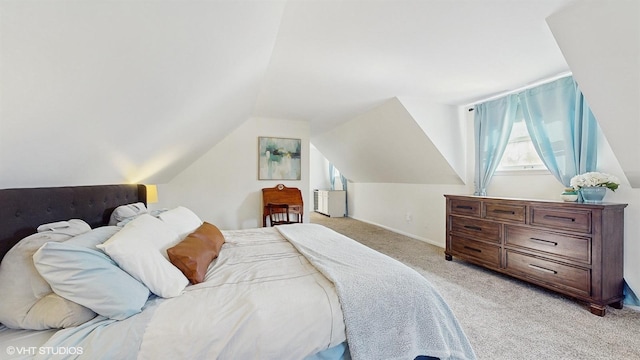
column 520, row 154
column 337, row 181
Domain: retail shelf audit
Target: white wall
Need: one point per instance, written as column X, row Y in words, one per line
column 318, row 172
column 222, row 187
column 415, row 210
column 601, row 42
column 387, row 144
column 440, row 123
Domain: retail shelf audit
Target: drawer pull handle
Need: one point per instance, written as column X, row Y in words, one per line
column 540, row 268
column 477, row 228
column 563, row 218
column 546, row 242
column 466, row 207
column 473, row 249
column 500, row 211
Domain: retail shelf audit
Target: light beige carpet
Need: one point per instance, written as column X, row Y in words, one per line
column 505, row 318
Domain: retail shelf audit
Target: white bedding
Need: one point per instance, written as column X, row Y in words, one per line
column 20, row 343
column 261, row 299
column 259, row 282
column 390, row 311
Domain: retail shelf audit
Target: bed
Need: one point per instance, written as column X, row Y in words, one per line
column 107, row 278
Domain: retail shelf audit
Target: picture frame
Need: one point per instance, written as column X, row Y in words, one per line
column 279, row 158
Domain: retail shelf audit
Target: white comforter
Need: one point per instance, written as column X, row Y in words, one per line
column 261, row 300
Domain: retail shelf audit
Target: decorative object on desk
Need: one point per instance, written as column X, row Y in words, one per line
column 569, row 195
column 279, row 158
column 593, row 185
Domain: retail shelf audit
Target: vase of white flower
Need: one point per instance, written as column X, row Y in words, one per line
column 593, row 194
column 593, row 185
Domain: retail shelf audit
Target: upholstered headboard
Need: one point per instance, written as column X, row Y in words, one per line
column 23, row 210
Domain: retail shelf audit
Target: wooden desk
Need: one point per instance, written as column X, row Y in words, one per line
column 281, row 194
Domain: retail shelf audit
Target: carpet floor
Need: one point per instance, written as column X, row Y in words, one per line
column 505, row 318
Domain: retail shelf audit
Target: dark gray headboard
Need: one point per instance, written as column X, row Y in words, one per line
column 23, row 210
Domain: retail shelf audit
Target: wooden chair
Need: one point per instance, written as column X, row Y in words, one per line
column 279, row 215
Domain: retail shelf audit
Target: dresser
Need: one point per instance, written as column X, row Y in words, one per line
column 573, row 248
column 332, row 203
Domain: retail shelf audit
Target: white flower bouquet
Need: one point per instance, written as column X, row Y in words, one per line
column 595, row 179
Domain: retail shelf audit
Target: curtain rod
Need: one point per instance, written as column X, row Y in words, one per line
column 528, row 86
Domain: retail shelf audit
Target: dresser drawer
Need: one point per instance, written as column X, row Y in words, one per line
column 465, row 207
column 475, row 229
column 571, row 279
column 505, row 212
column 475, row 250
column 571, row 247
column 575, row 220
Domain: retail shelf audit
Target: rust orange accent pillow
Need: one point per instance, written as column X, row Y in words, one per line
column 194, row 254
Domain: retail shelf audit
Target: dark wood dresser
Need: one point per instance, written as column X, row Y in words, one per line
column 573, row 248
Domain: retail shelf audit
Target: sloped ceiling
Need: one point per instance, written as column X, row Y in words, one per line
column 335, row 60
column 125, row 91
column 601, row 42
column 386, row 145
column 114, row 91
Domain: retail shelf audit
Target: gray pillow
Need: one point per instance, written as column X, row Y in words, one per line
column 125, row 213
column 27, row 299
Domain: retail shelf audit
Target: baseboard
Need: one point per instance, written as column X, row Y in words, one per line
column 428, row 241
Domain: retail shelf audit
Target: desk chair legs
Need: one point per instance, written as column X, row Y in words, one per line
column 279, row 215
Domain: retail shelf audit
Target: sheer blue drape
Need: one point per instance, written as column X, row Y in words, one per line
column 630, row 298
column 346, row 199
column 563, row 129
column 493, row 121
column 332, row 178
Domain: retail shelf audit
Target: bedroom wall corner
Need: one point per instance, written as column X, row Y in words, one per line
column 414, row 210
column 222, row 186
column 318, row 172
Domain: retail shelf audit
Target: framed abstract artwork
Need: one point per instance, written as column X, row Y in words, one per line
column 279, row 158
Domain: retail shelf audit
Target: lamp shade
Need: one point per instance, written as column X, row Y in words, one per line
column 152, row 194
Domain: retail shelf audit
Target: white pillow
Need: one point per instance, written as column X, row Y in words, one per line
column 125, row 213
column 26, row 300
column 182, row 220
column 140, row 249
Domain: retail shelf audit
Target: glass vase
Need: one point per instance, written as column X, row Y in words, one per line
column 593, row 194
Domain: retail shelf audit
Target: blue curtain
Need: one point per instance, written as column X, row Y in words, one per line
column 346, row 201
column 630, row 298
column 562, row 128
column 332, row 178
column 493, row 121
